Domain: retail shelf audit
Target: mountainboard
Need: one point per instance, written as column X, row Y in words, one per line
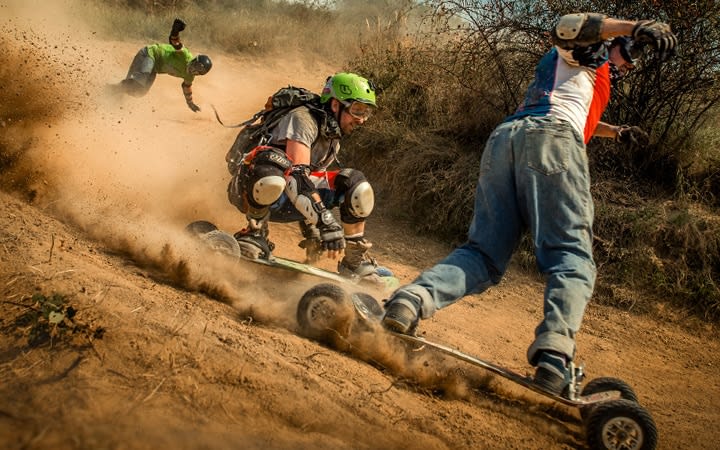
column 226, row 243
column 609, row 407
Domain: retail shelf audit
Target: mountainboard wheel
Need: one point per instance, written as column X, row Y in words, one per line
column 366, row 306
column 604, row 384
column 620, row 425
column 222, row 242
column 367, row 310
column 325, row 314
column 200, row 227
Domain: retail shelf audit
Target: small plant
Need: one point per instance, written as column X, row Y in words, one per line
column 50, row 319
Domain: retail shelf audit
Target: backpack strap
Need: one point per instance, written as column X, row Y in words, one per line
column 328, row 126
column 250, row 121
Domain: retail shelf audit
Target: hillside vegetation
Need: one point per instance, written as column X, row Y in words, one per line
column 448, row 72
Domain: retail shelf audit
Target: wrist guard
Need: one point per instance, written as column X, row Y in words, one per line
column 187, row 92
column 303, row 194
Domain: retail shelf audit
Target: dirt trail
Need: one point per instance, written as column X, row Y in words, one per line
column 176, row 349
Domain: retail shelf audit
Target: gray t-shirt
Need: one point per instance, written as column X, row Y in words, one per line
column 300, row 125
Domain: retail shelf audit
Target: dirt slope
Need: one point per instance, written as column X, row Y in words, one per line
column 173, row 348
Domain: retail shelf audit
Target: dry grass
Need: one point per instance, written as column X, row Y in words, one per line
column 254, row 28
column 657, row 234
column 440, row 97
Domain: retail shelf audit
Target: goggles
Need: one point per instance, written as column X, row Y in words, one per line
column 196, row 68
column 359, row 110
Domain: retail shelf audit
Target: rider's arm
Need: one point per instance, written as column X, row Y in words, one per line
column 297, row 152
column 187, row 92
column 306, row 199
column 585, row 29
column 606, row 130
column 616, row 27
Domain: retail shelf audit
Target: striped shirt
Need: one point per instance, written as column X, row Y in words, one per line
column 570, row 85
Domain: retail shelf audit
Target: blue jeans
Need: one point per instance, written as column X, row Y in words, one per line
column 534, row 176
column 141, row 74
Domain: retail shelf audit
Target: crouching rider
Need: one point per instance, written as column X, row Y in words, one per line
column 286, row 179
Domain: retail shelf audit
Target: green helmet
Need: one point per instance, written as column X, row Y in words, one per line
column 348, row 87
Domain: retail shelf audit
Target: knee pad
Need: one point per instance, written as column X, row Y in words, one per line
column 359, row 198
column 265, row 185
column 264, row 176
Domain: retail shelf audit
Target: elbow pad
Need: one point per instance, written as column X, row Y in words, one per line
column 577, row 30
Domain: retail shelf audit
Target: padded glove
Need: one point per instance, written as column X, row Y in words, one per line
column 657, row 34
column 193, row 106
column 174, row 38
column 632, row 135
column 177, row 27
column 331, row 233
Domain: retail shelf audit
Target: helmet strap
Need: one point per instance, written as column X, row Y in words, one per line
column 341, row 109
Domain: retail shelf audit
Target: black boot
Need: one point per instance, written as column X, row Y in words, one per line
column 253, row 239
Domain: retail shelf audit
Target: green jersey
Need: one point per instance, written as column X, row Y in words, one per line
column 170, row 61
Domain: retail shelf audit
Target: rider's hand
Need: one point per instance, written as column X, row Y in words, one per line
column 632, row 135
column 174, row 38
column 177, row 27
column 331, row 234
column 193, row 106
column 657, row 34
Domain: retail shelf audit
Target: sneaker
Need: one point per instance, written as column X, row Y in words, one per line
column 254, row 243
column 401, row 315
column 132, row 87
column 552, row 374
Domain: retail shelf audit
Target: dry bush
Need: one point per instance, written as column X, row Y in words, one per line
column 265, row 28
column 430, row 182
column 668, row 249
column 448, row 83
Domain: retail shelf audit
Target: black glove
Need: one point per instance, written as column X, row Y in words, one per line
column 331, row 233
column 632, row 135
column 174, row 38
column 177, row 27
column 193, row 106
column 657, row 34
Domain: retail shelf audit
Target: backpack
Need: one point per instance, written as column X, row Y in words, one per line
column 256, row 130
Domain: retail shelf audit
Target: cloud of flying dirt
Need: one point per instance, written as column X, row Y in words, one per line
column 34, row 88
column 131, row 172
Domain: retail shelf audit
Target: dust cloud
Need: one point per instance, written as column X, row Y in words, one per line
column 131, row 172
